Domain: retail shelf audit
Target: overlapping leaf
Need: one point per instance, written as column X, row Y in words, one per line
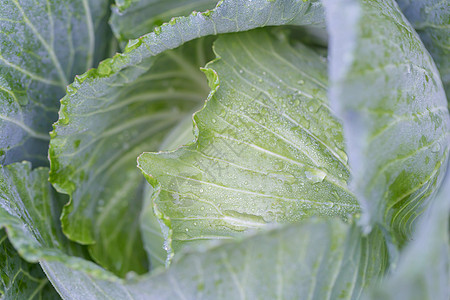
column 30, row 210
column 132, row 19
column 105, row 122
column 431, row 19
column 20, row 279
column 331, row 260
column 103, row 137
column 386, row 88
column 268, row 150
column 43, row 44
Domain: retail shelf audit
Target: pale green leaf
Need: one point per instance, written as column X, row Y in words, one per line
column 20, row 279
column 110, row 113
column 386, row 88
column 132, row 19
column 431, row 20
column 43, row 44
column 331, row 260
column 268, row 148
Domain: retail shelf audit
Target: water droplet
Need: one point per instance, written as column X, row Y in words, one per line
column 176, row 197
column 240, row 221
column 305, row 123
column 264, row 73
column 201, row 190
column 187, row 229
column 284, row 177
column 269, row 217
column 131, row 275
column 241, row 71
column 301, row 82
column 315, row 175
column 436, row 148
column 202, row 208
column 213, row 120
column 329, row 204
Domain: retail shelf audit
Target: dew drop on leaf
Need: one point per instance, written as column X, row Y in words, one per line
column 315, row 175
column 436, row 148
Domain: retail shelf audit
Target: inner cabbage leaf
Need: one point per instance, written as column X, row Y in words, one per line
column 268, row 148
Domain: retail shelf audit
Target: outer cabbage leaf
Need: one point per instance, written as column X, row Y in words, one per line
column 268, row 149
column 423, row 272
column 330, row 260
column 431, row 20
column 132, row 18
column 29, row 211
column 43, row 44
column 20, row 279
column 386, row 88
column 86, row 152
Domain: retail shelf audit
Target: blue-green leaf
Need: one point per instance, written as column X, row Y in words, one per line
column 431, row 20
column 20, row 279
column 43, row 44
column 387, row 90
column 29, row 211
column 423, row 271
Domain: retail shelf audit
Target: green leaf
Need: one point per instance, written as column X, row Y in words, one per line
column 268, row 148
column 20, row 279
column 132, row 19
column 387, row 90
column 43, row 44
column 423, row 272
column 94, row 150
column 431, row 20
column 331, row 260
column 30, row 210
column 131, row 99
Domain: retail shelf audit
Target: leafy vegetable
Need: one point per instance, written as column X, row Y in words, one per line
column 95, row 137
column 306, row 161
